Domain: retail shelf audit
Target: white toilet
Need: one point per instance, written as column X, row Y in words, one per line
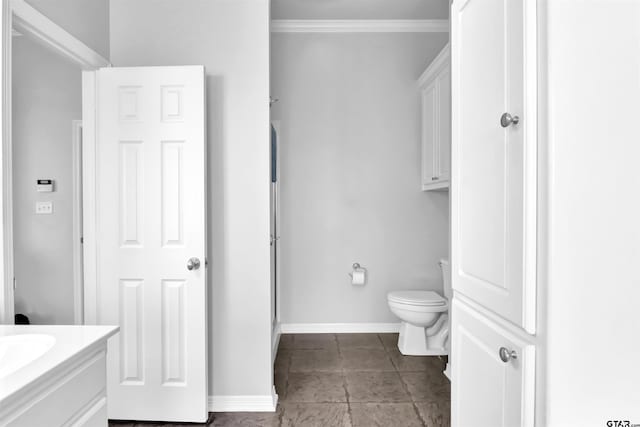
column 425, row 321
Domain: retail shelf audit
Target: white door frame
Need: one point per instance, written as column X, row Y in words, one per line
column 277, row 125
column 89, row 196
column 76, row 188
column 20, row 16
column 275, row 199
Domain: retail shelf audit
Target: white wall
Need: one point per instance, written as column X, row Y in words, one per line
column 231, row 39
column 350, row 174
column 593, row 288
column 46, row 98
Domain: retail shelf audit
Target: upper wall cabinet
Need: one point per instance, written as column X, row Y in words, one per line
column 435, row 84
column 493, row 199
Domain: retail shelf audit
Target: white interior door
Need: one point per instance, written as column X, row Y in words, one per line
column 151, row 223
column 493, row 211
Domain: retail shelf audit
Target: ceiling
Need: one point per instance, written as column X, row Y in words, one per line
column 359, row 9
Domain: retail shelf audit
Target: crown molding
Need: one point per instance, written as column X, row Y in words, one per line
column 360, row 26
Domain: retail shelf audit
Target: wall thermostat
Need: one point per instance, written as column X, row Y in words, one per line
column 45, row 186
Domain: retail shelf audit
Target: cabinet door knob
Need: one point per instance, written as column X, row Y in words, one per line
column 506, row 355
column 507, row 120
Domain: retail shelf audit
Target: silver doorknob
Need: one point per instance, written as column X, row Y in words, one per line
column 507, row 120
column 506, row 355
column 193, row 264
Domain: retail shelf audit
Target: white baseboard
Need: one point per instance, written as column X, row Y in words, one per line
column 338, row 328
column 265, row 403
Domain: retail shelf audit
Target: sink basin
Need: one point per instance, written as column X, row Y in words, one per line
column 17, row 351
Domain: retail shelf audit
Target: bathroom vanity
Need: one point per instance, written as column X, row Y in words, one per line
column 53, row 375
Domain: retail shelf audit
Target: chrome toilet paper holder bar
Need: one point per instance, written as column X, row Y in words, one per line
column 356, row 267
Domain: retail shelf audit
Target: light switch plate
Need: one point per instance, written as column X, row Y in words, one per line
column 44, row 208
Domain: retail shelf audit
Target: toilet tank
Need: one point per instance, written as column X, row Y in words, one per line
column 446, row 278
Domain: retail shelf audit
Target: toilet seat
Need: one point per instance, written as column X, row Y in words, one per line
column 417, row 298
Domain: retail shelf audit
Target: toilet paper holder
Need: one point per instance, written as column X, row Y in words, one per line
column 357, row 268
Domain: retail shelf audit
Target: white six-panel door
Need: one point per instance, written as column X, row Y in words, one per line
column 151, row 222
column 493, row 168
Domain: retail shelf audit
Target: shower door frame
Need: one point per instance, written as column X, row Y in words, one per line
column 20, row 16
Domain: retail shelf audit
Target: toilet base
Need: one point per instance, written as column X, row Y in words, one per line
column 413, row 341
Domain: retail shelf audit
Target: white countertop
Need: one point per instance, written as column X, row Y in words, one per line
column 70, row 341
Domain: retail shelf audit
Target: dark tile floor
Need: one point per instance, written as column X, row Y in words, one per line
column 346, row 380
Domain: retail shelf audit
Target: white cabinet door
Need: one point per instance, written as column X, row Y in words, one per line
column 493, row 169
column 436, row 122
column 151, row 222
column 443, row 155
column 487, row 390
column 429, row 133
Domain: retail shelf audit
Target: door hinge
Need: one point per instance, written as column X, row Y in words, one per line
column 14, row 283
column 82, row 240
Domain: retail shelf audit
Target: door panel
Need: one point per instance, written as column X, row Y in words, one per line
column 486, row 391
column 151, row 221
column 489, row 221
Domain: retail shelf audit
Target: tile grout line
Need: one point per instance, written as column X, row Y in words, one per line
column 413, row 403
column 393, row 363
column 382, row 342
column 386, row 351
column 344, row 379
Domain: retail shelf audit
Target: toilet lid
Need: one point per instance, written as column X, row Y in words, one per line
column 422, row 298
